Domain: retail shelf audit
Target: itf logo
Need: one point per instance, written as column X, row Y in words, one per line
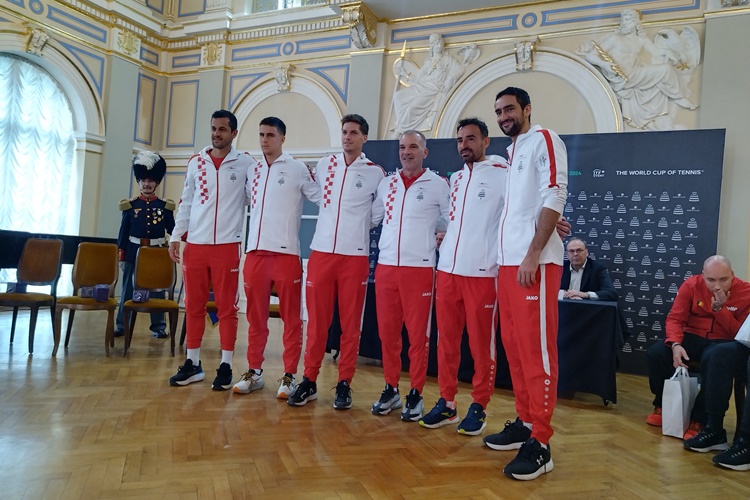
column 598, row 172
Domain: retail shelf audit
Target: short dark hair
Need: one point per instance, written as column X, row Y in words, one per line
column 272, row 121
column 223, row 113
column 474, row 121
column 521, row 95
column 359, row 120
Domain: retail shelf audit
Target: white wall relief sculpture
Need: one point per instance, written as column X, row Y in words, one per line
column 425, row 89
column 651, row 78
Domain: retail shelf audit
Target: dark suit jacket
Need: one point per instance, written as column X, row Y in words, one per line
column 595, row 279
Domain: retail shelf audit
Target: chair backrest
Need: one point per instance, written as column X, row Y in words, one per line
column 40, row 263
column 155, row 270
column 96, row 264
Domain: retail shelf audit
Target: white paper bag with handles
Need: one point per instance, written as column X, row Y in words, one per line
column 677, row 402
column 743, row 336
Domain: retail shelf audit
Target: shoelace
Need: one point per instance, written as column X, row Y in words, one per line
column 286, row 381
column 248, row 375
column 412, row 400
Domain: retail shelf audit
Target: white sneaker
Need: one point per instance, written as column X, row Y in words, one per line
column 287, row 387
column 250, row 381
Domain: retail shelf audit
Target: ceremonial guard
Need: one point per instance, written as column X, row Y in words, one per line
column 146, row 220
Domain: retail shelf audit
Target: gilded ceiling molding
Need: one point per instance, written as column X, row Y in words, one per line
column 362, row 24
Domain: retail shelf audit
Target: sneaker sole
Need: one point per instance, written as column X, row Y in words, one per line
column 237, row 390
column 312, row 397
column 472, row 433
column 187, row 381
column 505, row 447
column 453, row 420
column 385, row 411
column 221, row 387
column 544, row 469
column 341, row 407
column 742, row 467
column 283, row 395
column 713, row 447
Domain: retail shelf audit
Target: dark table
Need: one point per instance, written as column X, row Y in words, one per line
column 12, row 242
column 589, row 340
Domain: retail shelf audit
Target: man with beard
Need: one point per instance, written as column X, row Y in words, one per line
column 530, row 258
column 212, row 227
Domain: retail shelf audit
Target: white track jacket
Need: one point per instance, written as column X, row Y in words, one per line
column 346, row 208
column 410, row 217
column 212, row 207
column 537, row 178
column 276, row 195
column 476, row 200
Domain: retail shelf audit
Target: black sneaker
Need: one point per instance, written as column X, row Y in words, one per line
column 439, row 416
column 389, row 401
column 737, row 457
column 413, row 407
column 187, row 374
column 343, row 399
column 223, row 380
column 532, row 461
column 306, row 391
column 510, row 438
column 160, row 334
column 474, row 422
column 119, row 332
column 707, row 440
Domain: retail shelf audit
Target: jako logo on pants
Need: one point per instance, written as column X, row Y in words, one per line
column 532, row 297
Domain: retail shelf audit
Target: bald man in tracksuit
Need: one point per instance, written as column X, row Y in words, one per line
column 339, row 264
column 530, row 258
column 467, row 270
column 414, row 199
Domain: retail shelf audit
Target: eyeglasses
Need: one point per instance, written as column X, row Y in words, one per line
column 576, row 251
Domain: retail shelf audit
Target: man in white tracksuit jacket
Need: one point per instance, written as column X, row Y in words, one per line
column 277, row 185
column 209, row 219
column 530, row 258
column 413, row 200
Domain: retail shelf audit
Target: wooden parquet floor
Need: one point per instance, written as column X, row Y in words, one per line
column 87, row 426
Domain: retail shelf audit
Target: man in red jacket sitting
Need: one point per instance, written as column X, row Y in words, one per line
column 708, row 310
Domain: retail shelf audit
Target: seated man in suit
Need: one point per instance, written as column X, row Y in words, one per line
column 585, row 278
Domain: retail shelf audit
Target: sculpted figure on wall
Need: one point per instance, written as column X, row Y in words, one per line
column 415, row 106
column 282, row 74
column 650, row 78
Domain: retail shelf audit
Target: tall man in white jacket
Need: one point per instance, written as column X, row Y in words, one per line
column 276, row 187
column 413, row 199
column 467, row 269
column 530, row 258
column 338, row 264
column 209, row 219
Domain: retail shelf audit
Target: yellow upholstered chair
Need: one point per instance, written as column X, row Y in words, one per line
column 154, row 271
column 39, row 266
column 95, row 264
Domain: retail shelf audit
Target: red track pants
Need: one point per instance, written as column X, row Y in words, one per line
column 460, row 301
column 528, row 325
column 330, row 275
column 202, row 267
column 261, row 272
column 404, row 295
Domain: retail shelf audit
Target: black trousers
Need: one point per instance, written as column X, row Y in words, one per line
column 728, row 362
column 660, row 368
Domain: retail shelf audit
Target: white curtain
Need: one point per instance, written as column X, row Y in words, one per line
column 37, row 145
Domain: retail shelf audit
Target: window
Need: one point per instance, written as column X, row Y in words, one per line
column 38, row 180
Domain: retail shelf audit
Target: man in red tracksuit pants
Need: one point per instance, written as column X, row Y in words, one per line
column 530, row 259
column 465, row 288
column 211, row 224
column 413, row 199
column 276, row 187
column 338, row 264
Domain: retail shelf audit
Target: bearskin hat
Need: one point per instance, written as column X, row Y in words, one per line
column 149, row 165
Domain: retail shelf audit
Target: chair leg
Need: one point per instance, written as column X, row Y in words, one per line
column 13, row 324
column 56, row 327
column 173, row 318
column 128, row 321
column 184, row 330
column 109, row 334
column 71, row 315
column 32, row 327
